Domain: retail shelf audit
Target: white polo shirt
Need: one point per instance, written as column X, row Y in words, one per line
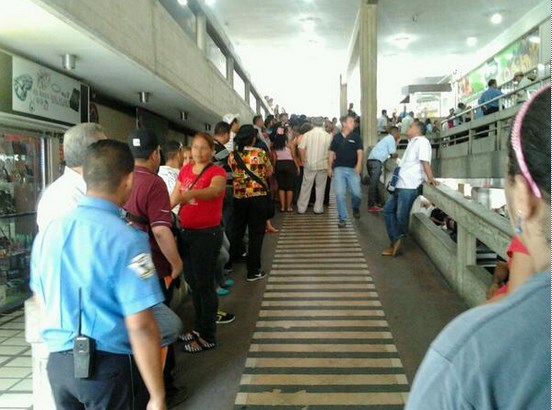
column 60, row 198
column 412, row 174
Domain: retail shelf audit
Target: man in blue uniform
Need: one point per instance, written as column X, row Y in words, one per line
column 92, row 271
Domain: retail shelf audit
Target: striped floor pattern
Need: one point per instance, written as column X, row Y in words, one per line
column 322, row 340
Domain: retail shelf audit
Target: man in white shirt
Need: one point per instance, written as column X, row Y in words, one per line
column 406, row 122
column 314, row 153
column 174, row 159
column 415, row 168
column 382, row 123
column 233, row 120
column 66, row 192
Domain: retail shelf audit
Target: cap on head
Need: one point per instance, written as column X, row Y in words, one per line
column 229, row 118
column 142, row 143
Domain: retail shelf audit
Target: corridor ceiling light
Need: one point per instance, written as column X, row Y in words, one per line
column 184, row 115
column 183, row 2
column 68, row 61
column 496, row 18
column 471, row 41
column 144, row 96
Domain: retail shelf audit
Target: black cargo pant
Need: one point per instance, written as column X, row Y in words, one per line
column 116, row 383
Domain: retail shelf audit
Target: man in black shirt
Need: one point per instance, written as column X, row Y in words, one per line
column 222, row 136
column 345, row 167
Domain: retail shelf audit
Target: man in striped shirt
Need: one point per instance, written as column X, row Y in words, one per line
column 174, row 159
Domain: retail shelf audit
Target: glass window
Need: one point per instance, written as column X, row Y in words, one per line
column 239, row 84
column 183, row 15
column 216, row 56
column 253, row 102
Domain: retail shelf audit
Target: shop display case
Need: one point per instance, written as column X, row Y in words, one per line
column 21, row 181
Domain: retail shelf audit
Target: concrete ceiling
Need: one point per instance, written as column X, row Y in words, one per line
column 292, row 60
column 28, row 30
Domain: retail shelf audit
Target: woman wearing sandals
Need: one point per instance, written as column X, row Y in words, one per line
column 286, row 168
column 200, row 192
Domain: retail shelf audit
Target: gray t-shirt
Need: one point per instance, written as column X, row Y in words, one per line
column 495, row 356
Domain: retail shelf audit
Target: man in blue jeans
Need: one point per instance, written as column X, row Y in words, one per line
column 345, row 166
column 415, row 168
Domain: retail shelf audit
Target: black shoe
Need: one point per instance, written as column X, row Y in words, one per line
column 223, row 318
column 356, row 213
column 253, row 277
column 176, row 396
column 341, row 224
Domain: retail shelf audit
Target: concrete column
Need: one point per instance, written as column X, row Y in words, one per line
column 259, row 106
column 342, row 96
column 466, row 255
column 230, row 70
column 368, row 70
column 247, row 92
column 201, row 31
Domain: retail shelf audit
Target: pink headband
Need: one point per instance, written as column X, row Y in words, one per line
column 516, row 141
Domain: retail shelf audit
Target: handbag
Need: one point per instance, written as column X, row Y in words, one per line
column 270, row 211
column 392, row 184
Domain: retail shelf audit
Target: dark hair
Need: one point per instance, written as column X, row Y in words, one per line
column 492, row 82
column 245, row 136
column 171, row 149
column 106, row 164
column 383, row 112
column 393, row 129
column 306, row 127
column 535, row 143
column 349, row 115
column 427, row 121
column 279, row 142
column 421, row 126
column 269, row 118
column 222, row 128
column 257, row 117
column 208, row 138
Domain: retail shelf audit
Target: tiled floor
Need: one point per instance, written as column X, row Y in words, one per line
column 15, row 363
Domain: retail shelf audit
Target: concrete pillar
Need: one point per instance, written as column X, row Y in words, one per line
column 368, row 70
column 342, row 96
column 42, row 392
column 201, row 31
column 230, row 70
column 259, row 106
column 466, row 255
column 247, row 92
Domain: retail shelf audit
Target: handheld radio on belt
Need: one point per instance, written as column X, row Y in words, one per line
column 83, row 350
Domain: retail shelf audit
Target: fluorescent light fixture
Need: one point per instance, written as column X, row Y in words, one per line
column 68, row 61
column 183, row 2
column 144, row 96
column 496, row 18
column 308, row 26
column 471, row 41
column 401, row 41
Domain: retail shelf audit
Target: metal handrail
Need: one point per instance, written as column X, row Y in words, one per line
column 499, row 97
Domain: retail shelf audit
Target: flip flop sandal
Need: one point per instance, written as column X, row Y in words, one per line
column 189, row 337
column 200, row 347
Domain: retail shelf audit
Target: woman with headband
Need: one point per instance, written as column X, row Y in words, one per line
column 497, row 356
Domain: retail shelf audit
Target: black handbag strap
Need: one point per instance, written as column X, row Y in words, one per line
column 200, row 175
column 252, row 175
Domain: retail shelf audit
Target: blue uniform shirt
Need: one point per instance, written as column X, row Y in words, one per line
column 488, row 95
column 495, row 356
column 93, row 249
column 384, row 148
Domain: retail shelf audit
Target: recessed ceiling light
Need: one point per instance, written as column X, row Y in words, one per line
column 471, row 41
column 183, row 2
column 496, row 18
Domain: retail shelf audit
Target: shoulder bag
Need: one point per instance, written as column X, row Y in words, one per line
column 270, row 212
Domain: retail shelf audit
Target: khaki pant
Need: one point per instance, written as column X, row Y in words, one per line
column 309, row 178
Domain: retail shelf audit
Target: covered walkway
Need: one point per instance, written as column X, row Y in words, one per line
column 335, row 325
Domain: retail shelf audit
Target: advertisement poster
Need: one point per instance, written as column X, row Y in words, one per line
column 43, row 92
column 523, row 55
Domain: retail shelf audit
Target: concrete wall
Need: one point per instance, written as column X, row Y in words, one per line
column 117, row 124
column 149, row 36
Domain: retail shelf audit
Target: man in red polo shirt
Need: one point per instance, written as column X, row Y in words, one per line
column 150, row 203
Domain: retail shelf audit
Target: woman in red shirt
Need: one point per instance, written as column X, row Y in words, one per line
column 200, row 192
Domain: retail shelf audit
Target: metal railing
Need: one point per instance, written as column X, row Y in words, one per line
column 458, row 262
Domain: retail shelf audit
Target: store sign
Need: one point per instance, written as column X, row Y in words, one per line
column 43, row 92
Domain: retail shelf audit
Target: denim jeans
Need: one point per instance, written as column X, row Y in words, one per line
column 346, row 179
column 374, row 168
column 397, row 212
column 168, row 322
column 201, row 248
